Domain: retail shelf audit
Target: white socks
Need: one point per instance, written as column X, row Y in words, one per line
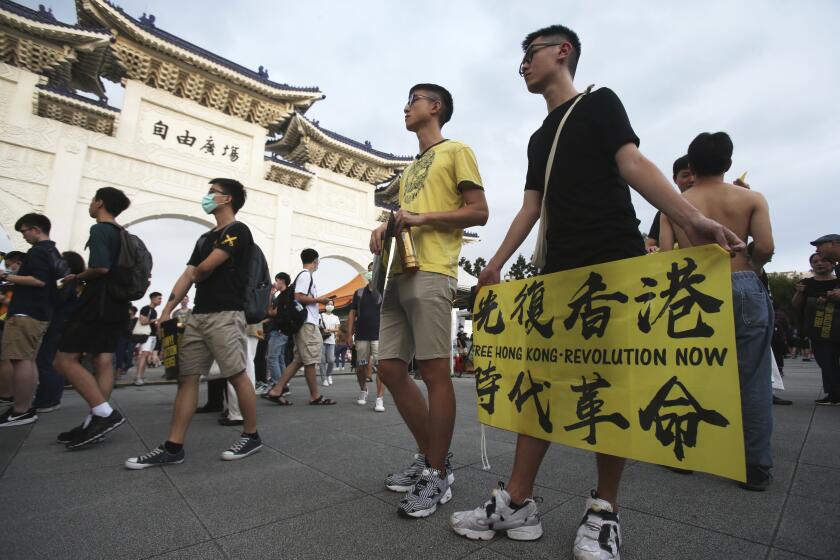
column 104, row 410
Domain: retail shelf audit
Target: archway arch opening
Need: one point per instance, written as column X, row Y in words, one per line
column 336, row 271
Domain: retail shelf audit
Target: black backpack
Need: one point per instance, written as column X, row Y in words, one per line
column 291, row 315
column 59, row 295
column 257, row 283
column 131, row 275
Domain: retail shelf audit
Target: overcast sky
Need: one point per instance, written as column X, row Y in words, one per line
column 766, row 72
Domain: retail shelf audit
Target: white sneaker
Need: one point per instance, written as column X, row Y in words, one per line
column 329, row 380
column 380, row 405
column 522, row 524
column 325, row 383
column 362, row 400
column 139, row 382
column 599, row 534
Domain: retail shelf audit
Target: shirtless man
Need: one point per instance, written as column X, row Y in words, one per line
column 745, row 212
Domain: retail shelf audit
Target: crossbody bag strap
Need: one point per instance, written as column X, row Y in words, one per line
column 538, row 259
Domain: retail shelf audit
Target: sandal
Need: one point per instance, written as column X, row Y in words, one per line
column 322, row 400
column 281, row 400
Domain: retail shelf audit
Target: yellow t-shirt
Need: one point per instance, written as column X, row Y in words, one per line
column 434, row 182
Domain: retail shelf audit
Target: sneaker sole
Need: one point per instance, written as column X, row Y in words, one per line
column 47, row 409
column 141, row 466
column 475, row 535
column 97, row 437
column 525, row 533
column 241, row 456
column 379, row 410
column 427, row 512
column 450, row 478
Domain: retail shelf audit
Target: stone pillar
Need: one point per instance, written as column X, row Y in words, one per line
column 63, row 192
column 281, row 258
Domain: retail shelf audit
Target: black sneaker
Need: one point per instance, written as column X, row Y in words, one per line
column 155, row 458
column 827, row 400
column 9, row 418
column 243, row 447
column 758, row 479
column 97, row 428
column 70, row 435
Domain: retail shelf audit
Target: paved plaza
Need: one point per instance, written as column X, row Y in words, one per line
column 315, row 490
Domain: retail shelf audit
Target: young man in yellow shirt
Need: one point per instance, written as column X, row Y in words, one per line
column 440, row 195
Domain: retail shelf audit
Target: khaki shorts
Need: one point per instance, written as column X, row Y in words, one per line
column 367, row 351
column 308, row 344
column 416, row 317
column 22, row 338
column 216, row 336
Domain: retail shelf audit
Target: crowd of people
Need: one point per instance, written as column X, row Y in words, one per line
column 585, row 150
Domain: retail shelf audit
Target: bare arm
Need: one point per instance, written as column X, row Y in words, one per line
column 25, row 281
column 474, row 212
column 351, row 323
column 182, row 286
column 519, row 229
column 649, row 182
column 761, row 232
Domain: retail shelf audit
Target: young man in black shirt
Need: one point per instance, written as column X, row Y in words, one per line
column 29, row 316
column 148, row 316
column 216, row 328
column 95, row 325
column 591, row 221
column 683, row 178
column 812, row 293
column 363, row 334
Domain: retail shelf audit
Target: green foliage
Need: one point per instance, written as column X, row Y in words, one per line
column 473, row 268
column 783, row 287
column 521, row 268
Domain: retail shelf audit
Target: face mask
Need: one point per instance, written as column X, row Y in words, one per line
column 208, row 203
column 368, row 276
column 329, row 308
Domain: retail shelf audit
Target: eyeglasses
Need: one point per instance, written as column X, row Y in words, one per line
column 530, row 51
column 417, row 96
column 215, row 192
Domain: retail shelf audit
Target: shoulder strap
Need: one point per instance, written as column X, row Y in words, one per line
column 538, row 259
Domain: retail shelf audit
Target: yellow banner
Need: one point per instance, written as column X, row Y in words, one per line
column 634, row 358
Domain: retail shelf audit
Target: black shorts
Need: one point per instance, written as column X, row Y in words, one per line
column 91, row 337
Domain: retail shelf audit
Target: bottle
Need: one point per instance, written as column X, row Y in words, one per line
column 408, row 253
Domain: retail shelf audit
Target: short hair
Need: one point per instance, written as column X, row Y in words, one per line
column 233, row 188
column 15, row 256
column 114, row 200
column 155, row 294
column 132, row 309
column 710, row 154
column 444, row 97
column 284, row 277
column 34, row 220
column 75, row 261
column 679, row 164
column 308, row 256
column 562, row 31
column 811, row 258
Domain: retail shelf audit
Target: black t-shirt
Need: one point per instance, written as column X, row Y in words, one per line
column 95, row 303
column 224, row 289
column 366, row 304
column 148, row 312
column 654, row 227
column 29, row 300
column 813, row 289
column 591, row 219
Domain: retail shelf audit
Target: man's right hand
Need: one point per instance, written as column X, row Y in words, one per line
column 376, row 239
column 490, row 275
column 800, row 287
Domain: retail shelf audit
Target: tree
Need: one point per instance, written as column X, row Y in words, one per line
column 782, row 287
column 522, row 268
column 473, row 268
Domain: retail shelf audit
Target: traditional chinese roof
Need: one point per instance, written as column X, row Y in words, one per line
column 157, row 58
column 71, row 108
column 70, row 56
column 306, row 141
column 279, row 170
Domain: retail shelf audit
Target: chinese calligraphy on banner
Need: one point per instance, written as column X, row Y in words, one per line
column 634, row 358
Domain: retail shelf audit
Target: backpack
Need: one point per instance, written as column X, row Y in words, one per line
column 257, row 283
column 59, row 295
column 130, row 276
column 291, row 315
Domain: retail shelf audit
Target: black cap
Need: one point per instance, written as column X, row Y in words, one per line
column 825, row 239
